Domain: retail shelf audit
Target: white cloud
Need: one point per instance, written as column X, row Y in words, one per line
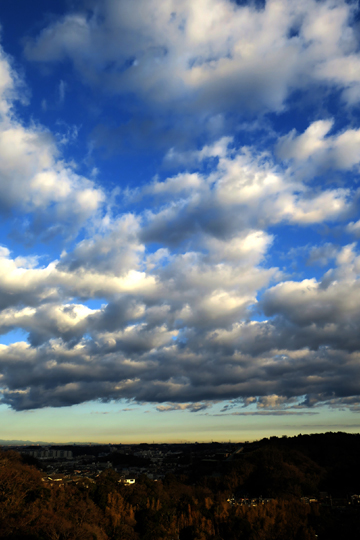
column 244, row 191
column 333, row 300
column 216, row 150
column 22, row 285
column 33, row 177
column 210, row 52
column 354, row 227
column 115, row 250
column 320, row 151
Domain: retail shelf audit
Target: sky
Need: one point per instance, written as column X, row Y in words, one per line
column 179, row 219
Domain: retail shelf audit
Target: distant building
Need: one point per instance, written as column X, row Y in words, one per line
column 51, row 454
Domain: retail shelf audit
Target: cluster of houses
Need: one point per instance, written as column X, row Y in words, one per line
column 325, row 499
column 244, row 501
column 64, row 465
column 84, row 464
column 50, row 453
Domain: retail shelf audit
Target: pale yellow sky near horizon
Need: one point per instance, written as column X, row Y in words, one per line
column 111, row 423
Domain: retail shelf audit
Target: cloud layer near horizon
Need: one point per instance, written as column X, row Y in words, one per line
column 193, row 308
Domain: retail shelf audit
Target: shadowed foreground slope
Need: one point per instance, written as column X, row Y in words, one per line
column 194, row 506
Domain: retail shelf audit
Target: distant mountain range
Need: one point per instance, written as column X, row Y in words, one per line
column 43, row 443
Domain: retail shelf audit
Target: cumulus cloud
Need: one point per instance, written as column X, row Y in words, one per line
column 192, row 407
column 56, row 375
column 218, row 149
column 315, row 151
column 163, row 353
column 175, row 325
column 115, row 249
column 320, row 313
column 208, row 57
column 33, row 177
column 244, row 190
column 191, row 308
column 354, row 228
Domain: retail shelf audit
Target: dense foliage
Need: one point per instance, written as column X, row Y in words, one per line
column 194, row 506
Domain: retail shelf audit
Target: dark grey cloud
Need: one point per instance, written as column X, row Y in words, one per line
column 149, row 366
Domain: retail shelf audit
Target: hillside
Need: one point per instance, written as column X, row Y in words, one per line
column 260, row 493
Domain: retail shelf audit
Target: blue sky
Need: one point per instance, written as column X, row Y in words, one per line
column 179, row 205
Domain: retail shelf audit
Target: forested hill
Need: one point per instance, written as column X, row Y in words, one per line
column 309, row 463
column 298, row 488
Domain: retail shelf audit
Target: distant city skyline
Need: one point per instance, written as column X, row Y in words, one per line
column 179, row 200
